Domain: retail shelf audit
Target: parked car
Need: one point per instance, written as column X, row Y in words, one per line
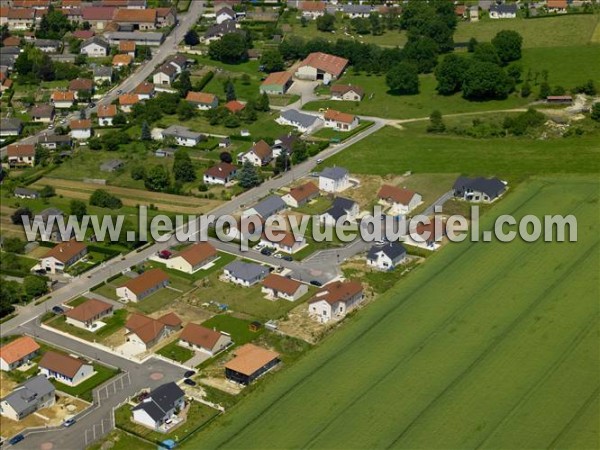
column 16, row 439
column 266, row 251
column 189, row 382
column 316, row 283
column 67, row 423
column 57, row 310
column 189, row 373
column 278, row 255
column 319, row 161
column 287, row 258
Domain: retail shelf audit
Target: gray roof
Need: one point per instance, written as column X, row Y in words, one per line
column 392, row 250
column 26, row 395
column 11, row 51
column 103, row 71
column 54, row 139
column 225, row 27
column 357, row 9
column 334, row 173
column 226, row 10
column 505, row 8
column 95, row 40
column 181, row 132
column 148, row 36
column 269, row 206
column 11, row 124
column 162, row 400
column 340, row 207
column 111, row 165
column 178, row 60
column 46, row 43
column 168, row 69
column 493, row 187
column 246, row 271
column 26, row 192
column 295, row 116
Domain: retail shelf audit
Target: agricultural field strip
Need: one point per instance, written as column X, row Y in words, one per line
column 380, row 323
column 591, row 405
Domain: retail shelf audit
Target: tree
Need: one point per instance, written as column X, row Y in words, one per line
column 138, row 172
column 119, row 120
column 114, row 139
column 104, row 199
column 231, row 49
column 185, row 111
column 230, row 90
column 33, row 65
column 183, row 169
column 376, row 24
column 303, row 22
column 191, row 38
column 486, row 52
column 231, row 121
column 588, row 88
column 508, row 44
column 78, row 209
column 361, row 25
column 272, row 61
column 526, row 90
column 282, row 162
column 17, row 218
column 53, row 25
column 521, row 124
column 35, row 286
column 13, row 245
column 450, row 74
column 183, row 84
column 248, row 176
column 596, row 112
column 47, row 192
column 403, row 79
column 42, row 155
column 157, row 179
column 263, row 103
column 486, row 81
column 472, row 45
column 422, row 51
column 226, row 157
column 292, row 47
column 436, row 123
column 299, row 151
column 249, row 114
column 146, row 135
column 545, row 90
column 326, row 23
column 514, row 71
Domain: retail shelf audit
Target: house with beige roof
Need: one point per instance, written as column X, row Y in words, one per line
column 399, row 200
column 143, row 285
column 301, row 195
column 205, row 340
column 193, row 258
column 321, row 66
column 63, row 255
column 87, row 314
column 64, row 368
column 275, row 286
column 145, row 332
column 250, row 362
column 18, row 352
column 335, row 300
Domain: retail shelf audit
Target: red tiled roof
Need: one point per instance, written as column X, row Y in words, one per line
column 337, row 116
column 170, row 319
column 12, row 41
column 146, row 328
column 63, row 96
column 59, row 363
column 261, row 149
column 98, row 13
column 200, row 336
column 128, row 99
column 127, row 46
column 234, row 106
column 81, row 84
column 279, row 78
column 88, row 310
column 249, row 358
column 338, row 292
column 198, row 252
column 146, row 280
column 200, row 97
column 18, row 349
column 21, row 13
column 287, row 240
column 135, row 15
column 107, row 110
column 81, row 124
column 397, row 195
column 123, row 59
column 21, row 150
column 83, row 34
column 325, row 62
column 305, row 191
column 343, row 88
column 64, row 251
column 222, row 170
column 281, row 284
column 144, row 88
column 312, row 6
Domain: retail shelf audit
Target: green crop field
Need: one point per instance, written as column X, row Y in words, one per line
column 487, row 345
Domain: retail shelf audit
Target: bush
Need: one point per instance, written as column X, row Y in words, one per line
column 103, row 199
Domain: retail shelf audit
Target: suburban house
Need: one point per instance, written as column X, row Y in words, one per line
column 47, row 45
column 98, row 16
column 143, row 285
column 224, row 14
column 305, row 123
column 126, row 102
column 249, row 363
column 347, row 92
column 321, row 66
column 106, row 114
column 301, row 195
column 21, row 19
column 127, row 47
column 28, row 397
column 387, row 256
column 83, row 85
column 21, row 155
column 340, row 121
column 246, row 227
column 202, row 100
column 276, row 286
column 112, row 165
column 193, row 258
column 277, row 83
column 221, row 173
column 164, row 75
column 10, row 127
column 266, row 208
column 503, row 11
column 283, row 241
column 354, row 11
column 400, row 200
column 163, row 404
column 103, row 74
column 55, row 141
column 334, row 179
column 312, row 9
column 145, row 90
column 18, row 352
column 121, row 60
column 81, row 128
column 245, row 274
column 219, row 30
column 42, row 113
column 260, row 154
column 427, row 236
column 63, row 99
column 342, row 210
column 139, row 20
column 182, row 135
column 481, row 190
column 86, row 314
column 204, row 339
column 145, row 332
column 26, row 193
column 557, row 6
column 166, row 17
column 180, row 62
column 335, row 300
column 95, row 47
column 63, row 255
column 284, row 143
column 64, row 368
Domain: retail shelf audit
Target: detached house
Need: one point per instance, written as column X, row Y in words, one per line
column 222, row 173
column 54, row 141
column 202, row 100
column 103, row 74
column 137, row 20
column 343, row 209
column 163, row 404
column 334, row 179
column 204, row 339
column 86, row 315
column 193, row 258
column 335, row 300
column 66, row 369
column 224, row 14
column 250, row 363
column 481, row 190
column 260, row 154
column 400, row 201
column 10, row 127
column 145, row 332
column 277, row 83
column 26, row 193
column 266, row 208
column 386, row 257
column 63, row 255
column 340, row 121
column 245, row 274
column 81, row 85
column 144, row 90
column 98, row 16
column 32, row 395
column 20, row 155
column 63, row 99
column 21, row 19
column 183, row 136
column 557, row 6
column 305, row 123
column 276, row 286
column 301, row 195
column 283, row 241
column 122, row 60
column 312, row 9
column 126, row 102
column 143, row 285
column 164, row 75
column 81, row 128
column 321, row 66
column 127, row 47
column 503, row 11
column 95, row 47
column 347, row 92
column 427, row 236
column 18, row 352
column 106, row 114
column 42, row 113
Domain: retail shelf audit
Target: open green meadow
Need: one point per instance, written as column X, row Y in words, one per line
column 487, row 345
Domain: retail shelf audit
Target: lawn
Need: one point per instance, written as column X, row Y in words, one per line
column 315, row 207
column 330, row 133
column 509, row 158
column 479, row 347
column 176, row 352
column 217, row 265
column 113, row 323
column 159, row 300
column 237, row 328
column 16, row 263
column 85, row 388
